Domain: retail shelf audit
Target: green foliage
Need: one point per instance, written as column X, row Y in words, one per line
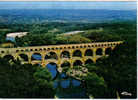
column 34, row 40
column 42, row 76
column 21, row 81
column 114, row 73
column 102, row 36
column 124, row 68
column 38, row 29
column 118, row 70
column 92, row 67
column 65, row 69
column 45, row 83
column 46, row 33
column 77, row 67
column 61, row 40
column 95, row 85
column 3, row 33
column 78, row 39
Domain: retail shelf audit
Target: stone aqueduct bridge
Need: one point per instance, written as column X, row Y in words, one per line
column 60, row 54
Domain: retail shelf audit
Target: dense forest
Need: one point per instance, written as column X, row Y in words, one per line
column 49, row 33
column 110, row 75
column 24, row 80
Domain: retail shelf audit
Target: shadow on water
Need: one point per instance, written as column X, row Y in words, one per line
column 66, row 87
column 52, row 68
column 36, row 57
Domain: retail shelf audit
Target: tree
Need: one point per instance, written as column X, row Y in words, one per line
column 118, row 70
column 45, row 83
column 36, row 39
column 78, row 39
column 120, row 73
column 21, row 81
column 95, row 85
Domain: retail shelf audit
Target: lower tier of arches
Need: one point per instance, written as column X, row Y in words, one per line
column 77, row 61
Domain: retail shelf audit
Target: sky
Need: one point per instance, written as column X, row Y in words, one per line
column 112, row 5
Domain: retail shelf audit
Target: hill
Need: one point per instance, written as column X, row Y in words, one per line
column 65, row 15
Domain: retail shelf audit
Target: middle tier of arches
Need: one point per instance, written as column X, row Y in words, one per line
column 59, row 56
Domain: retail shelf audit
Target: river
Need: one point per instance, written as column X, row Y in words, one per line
column 66, row 87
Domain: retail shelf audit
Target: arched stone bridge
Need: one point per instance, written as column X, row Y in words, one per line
column 61, row 55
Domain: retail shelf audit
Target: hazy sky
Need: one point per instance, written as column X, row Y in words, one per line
column 69, row 5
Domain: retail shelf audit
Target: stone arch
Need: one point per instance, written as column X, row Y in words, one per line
column 88, row 52
column 77, row 63
column 8, row 57
column 23, row 57
column 51, row 55
column 65, row 54
column 2, row 51
column 52, row 63
column 99, row 51
column 89, row 61
column 77, row 53
column 65, row 64
column 108, row 51
column 36, row 56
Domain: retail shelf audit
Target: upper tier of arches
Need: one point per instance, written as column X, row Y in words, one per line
column 61, row 47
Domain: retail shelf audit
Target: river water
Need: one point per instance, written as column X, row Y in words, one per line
column 65, row 86
column 10, row 39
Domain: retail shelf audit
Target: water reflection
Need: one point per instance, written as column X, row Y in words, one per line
column 52, row 69
column 76, row 82
column 10, row 39
column 63, row 75
column 66, row 87
column 65, row 83
column 36, row 57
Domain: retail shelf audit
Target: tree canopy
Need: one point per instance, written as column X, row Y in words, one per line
column 24, row 81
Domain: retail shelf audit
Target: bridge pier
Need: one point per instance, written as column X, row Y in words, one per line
column 43, row 59
column 71, row 59
column 43, row 65
column 29, row 58
column 94, row 60
column 103, row 52
column 112, row 48
column 94, row 52
column 83, row 56
column 58, row 49
column 16, row 57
